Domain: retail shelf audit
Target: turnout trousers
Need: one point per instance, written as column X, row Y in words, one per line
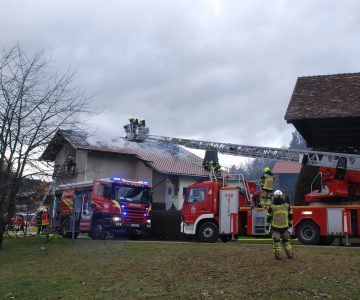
column 277, row 237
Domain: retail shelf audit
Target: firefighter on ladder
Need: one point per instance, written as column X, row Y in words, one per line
column 280, row 218
column 267, row 183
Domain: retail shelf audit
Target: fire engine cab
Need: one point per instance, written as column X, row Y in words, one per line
column 111, row 205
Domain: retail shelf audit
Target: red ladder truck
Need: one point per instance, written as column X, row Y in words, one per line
column 112, row 205
column 225, row 209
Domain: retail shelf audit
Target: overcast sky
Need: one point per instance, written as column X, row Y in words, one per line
column 208, row 69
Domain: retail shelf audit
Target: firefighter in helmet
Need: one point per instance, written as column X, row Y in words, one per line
column 267, row 183
column 142, row 123
column 133, row 124
column 280, row 218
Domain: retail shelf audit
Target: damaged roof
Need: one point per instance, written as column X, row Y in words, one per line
column 325, row 96
column 164, row 158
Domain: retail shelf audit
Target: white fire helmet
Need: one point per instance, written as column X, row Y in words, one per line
column 278, row 193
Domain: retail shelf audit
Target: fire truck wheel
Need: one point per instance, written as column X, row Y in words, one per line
column 98, row 230
column 308, row 233
column 208, row 232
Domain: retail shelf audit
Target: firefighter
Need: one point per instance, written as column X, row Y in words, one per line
column 142, row 123
column 133, row 124
column 21, row 223
column 38, row 222
column 279, row 217
column 44, row 219
column 267, row 183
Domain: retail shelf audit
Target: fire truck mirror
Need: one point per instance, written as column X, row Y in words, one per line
column 185, row 192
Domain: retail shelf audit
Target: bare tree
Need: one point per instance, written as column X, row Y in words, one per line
column 34, row 104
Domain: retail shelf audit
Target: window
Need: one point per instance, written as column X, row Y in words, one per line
column 132, row 194
column 102, row 189
column 196, row 195
column 99, row 189
column 176, row 192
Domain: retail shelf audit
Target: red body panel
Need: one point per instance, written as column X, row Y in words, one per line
column 335, row 188
column 316, row 214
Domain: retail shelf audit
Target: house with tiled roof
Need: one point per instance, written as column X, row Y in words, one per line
column 326, row 111
column 168, row 168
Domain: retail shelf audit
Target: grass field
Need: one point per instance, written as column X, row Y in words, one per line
column 35, row 269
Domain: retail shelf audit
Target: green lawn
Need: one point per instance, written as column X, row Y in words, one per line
column 32, row 268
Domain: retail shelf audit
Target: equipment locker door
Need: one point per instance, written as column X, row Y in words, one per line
column 229, row 211
column 84, row 200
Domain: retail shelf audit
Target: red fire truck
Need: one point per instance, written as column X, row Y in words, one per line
column 112, row 205
column 225, row 209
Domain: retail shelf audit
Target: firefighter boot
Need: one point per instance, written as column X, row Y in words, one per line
column 287, row 246
column 277, row 249
column 288, row 249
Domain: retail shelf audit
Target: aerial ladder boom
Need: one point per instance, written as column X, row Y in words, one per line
column 306, row 157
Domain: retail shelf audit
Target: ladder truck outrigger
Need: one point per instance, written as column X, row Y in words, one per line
column 214, row 209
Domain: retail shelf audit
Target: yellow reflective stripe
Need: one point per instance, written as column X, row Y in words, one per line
column 67, row 203
column 288, row 247
column 280, row 212
column 115, row 203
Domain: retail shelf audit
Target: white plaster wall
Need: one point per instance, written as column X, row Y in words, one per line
column 81, row 165
column 143, row 172
column 159, row 190
column 103, row 165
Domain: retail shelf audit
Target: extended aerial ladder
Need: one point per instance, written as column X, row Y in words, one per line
column 306, row 157
column 339, row 172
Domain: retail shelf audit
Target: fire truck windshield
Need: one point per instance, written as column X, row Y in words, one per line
column 131, row 194
column 195, row 195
